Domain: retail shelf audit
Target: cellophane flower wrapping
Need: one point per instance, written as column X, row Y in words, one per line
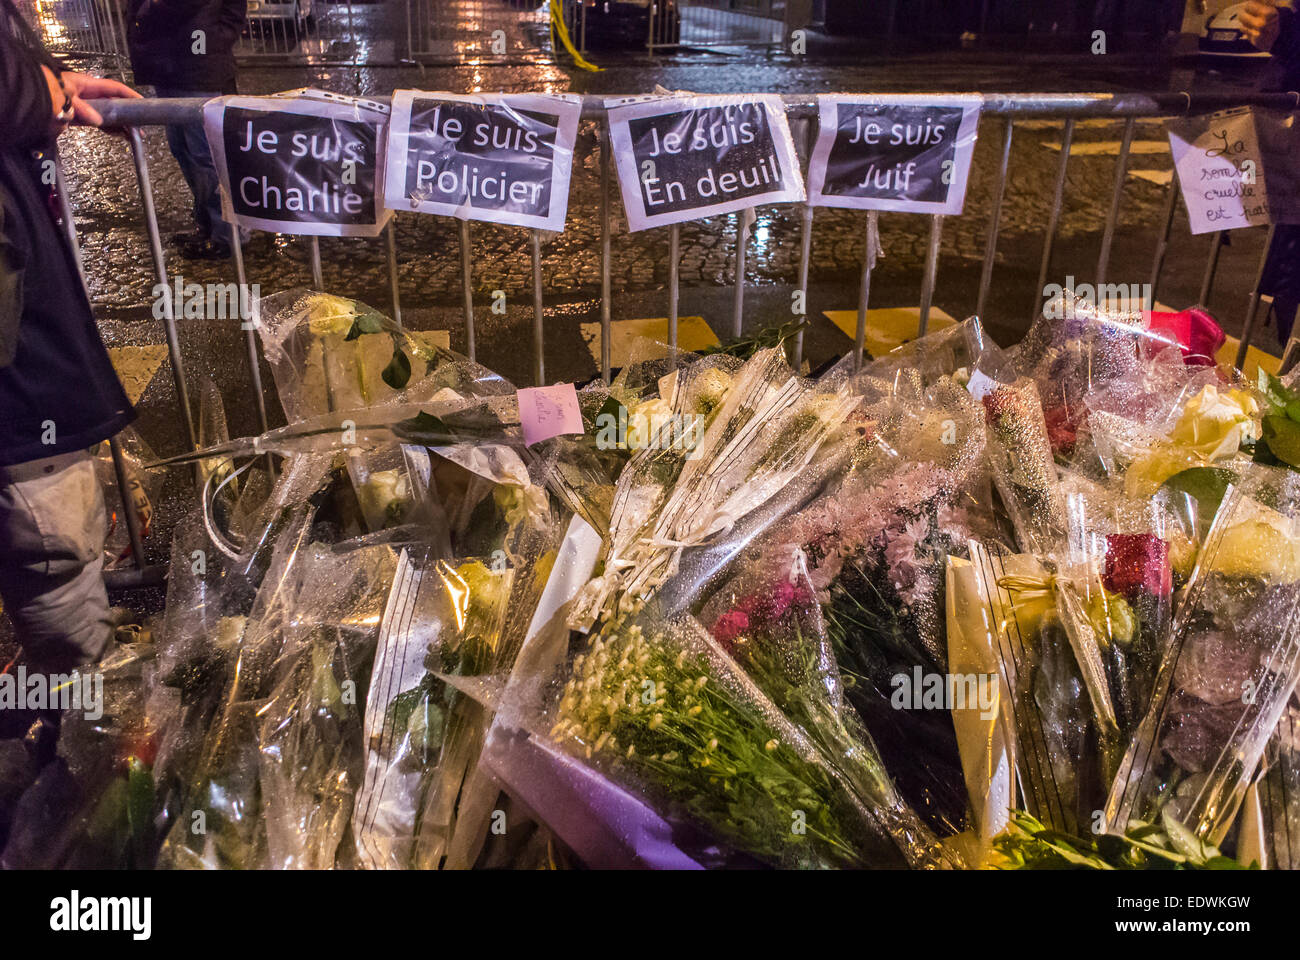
column 1228, row 672
column 1279, row 794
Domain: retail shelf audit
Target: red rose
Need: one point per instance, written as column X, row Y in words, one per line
column 1194, row 330
column 1061, row 430
column 1137, row 561
column 729, row 626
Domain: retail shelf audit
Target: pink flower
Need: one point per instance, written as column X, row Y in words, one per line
column 729, row 626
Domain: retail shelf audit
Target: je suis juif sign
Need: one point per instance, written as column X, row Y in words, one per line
column 306, row 162
column 904, row 153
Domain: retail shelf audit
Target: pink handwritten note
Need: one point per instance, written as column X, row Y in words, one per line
column 546, row 412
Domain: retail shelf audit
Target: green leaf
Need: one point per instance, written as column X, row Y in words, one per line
column 1205, row 485
column 424, row 428
column 1184, row 840
column 1275, row 392
column 1282, row 434
column 369, row 322
column 398, row 371
column 1293, row 410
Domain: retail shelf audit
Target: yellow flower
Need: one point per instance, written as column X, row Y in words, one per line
column 330, row 314
column 1264, row 545
column 1213, row 426
column 1215, row 422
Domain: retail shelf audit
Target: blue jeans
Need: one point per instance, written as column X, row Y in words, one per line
column 189, row 146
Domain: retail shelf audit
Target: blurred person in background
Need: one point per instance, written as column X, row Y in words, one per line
column 186, row 48
column 59, row 394
column 1277, row 30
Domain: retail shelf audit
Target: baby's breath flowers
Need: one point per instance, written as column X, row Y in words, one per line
column 662, row 713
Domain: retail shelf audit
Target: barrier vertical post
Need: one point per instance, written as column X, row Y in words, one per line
column 1248, row 328
column 1057, row 195
column 160, row 271
column 1211, row 268
column 674, row 282
column 605, row 214
column 864, row 286
column 317, row 273
column 991, row 245
column 742, row 241
column 1116, row 197
column 390, row 234
column 931, row 272
column 466, row 290
column 1162, row 242
column 250, row 325
column 539, row 367
column 114, row 446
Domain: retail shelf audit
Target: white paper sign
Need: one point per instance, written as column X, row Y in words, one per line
column 1220, row 170
column 304, row 162
column 902, row 153
column 503, row 158
column 684, row 158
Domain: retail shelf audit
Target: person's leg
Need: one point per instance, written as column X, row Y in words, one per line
column 52, row 528
column 189, row 144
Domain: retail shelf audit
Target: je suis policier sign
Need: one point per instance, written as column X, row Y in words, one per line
column 683, row 158
column 905, row 153
column 503, row 158
column 307, row 162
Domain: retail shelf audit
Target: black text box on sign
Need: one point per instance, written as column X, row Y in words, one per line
column 295, row 168
column 893, row 152
column 704, row 156
column 487, row 157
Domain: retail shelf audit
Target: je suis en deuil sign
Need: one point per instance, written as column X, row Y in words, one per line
column 687, row 157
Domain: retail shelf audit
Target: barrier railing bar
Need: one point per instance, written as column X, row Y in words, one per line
column 467, row 290
column 390, row 238
column 535, row 240
column 674, row 289
column 1211, row 268
column 1116, row 197
column 1248, row 327
column 931, row 275
column 160, row 271
column 148, row 112
column 1058, row 194
column 864, row 286
column 1162, row 241
column 605, row 229
column 999, row 194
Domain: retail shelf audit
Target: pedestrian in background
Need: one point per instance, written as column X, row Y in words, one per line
column 59, row 394
column 1277, row 30
column 186, row 48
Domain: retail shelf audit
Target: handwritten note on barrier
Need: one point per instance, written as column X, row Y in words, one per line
column 1220, row 170
column 683, row 158
column 546, row 412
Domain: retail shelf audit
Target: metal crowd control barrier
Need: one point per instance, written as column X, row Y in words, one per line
column 133, row 114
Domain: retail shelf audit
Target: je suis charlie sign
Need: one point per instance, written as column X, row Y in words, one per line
column 684, row 158
column 904, row 153
column 503, row 158
column 306, row 162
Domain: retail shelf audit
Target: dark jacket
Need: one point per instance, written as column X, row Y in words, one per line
column 1284, row 69
column 58, row 381
column 161, row 37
